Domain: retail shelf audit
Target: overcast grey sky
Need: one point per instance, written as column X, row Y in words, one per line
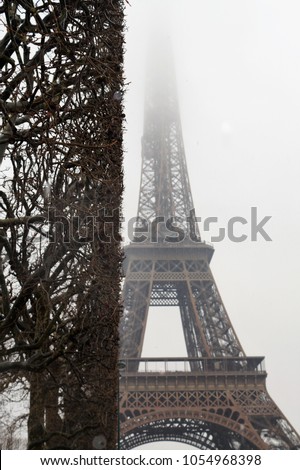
column 238, row 75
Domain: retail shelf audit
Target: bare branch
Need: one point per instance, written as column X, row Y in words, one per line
column 61, row 155
column 22, row 221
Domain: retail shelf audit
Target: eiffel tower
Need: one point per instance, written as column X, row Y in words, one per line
column 216, row 397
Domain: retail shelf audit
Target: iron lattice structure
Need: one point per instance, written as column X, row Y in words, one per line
column 216, row 398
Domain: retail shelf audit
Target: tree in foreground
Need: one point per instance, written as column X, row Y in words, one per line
column 60, row 190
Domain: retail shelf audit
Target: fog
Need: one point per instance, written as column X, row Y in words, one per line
column 238, row 77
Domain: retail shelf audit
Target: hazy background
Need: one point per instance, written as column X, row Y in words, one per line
column 238, row 75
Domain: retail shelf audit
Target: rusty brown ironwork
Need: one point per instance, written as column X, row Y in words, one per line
column 216, row 398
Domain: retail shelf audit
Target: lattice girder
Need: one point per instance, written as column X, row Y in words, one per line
column 236, row 400
column 167, row 278
column 188, row 429
column 164, row 188
column 218, row 400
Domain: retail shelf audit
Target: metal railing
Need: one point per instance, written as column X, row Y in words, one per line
column 234, row 365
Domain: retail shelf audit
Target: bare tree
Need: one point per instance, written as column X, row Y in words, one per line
column 60, row 193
